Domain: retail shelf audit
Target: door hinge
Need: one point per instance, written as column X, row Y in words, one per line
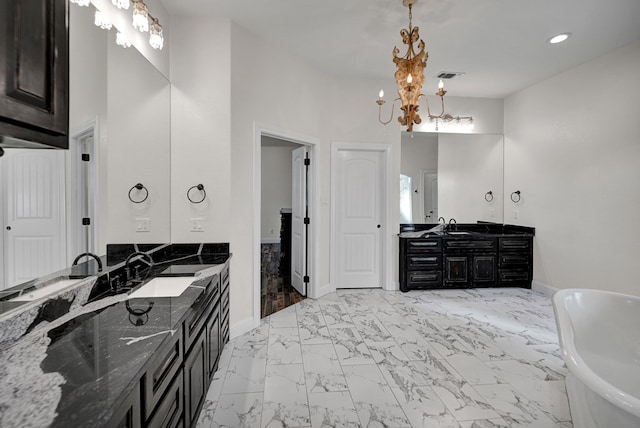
column 307, row 161
column 86, row 157
column 306, row 279
column 86, row 221
column 307, row 220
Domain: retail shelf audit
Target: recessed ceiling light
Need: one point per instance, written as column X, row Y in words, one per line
column 559, row 38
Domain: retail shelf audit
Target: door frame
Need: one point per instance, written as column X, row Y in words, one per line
column 74, row 175
column 266, row 130
column 385, row 240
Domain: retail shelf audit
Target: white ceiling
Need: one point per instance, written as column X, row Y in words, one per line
column 499, row 44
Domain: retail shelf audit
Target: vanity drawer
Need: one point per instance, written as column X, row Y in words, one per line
column 202, row 308
column 161, row 372
column 170, row 409
column 507, row 277
column 424, row 261
column 424, row 279
column 514, row 260
column 515, row 244
column 419, row 245
column 475, row 244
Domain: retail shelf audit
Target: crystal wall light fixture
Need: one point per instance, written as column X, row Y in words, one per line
column 121, row 4
column 410, row 78
column 140, row 16
column 102, row 20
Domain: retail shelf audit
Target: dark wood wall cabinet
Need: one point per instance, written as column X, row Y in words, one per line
column 34, row 73
column 466, row 259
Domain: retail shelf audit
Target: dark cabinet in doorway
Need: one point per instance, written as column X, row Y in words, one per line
column 285, row 243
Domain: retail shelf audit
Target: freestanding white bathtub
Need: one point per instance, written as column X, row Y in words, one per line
column 599, row 335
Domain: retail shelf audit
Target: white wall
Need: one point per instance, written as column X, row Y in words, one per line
column 200, row 128
column 468, row 167
column 572, row 146
column 419, row 151
column 138, row 148
column 276, row 189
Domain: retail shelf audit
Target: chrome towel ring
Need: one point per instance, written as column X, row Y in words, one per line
column 515, row 196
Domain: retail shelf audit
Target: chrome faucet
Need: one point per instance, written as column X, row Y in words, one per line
column 77, row 259
column 444, row 221
column 452, row 220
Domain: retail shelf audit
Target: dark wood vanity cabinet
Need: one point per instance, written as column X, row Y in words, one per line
column 465, row 261
column 34, row 71
column 515, row 261
column 420, row 263
column 470, row 262
column 176, row 381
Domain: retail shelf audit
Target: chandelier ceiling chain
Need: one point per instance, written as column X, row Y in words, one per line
column 410, row 78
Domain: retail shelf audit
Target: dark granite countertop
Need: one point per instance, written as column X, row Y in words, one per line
column 464, row 230
column 74, row 370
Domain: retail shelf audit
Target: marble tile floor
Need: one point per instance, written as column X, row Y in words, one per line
column 371, row 358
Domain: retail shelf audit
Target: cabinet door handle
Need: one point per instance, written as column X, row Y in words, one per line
column 9, row 227
column 378, row 226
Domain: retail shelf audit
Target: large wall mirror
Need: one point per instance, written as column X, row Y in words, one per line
column 120, row 114
column 131, row 100
column 457, row 176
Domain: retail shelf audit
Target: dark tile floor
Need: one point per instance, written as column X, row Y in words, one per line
column 277, row 294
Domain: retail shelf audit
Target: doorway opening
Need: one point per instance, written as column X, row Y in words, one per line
column 298, row 171
column 282, row 269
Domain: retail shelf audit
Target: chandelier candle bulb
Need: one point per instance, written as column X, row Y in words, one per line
column 381, row 94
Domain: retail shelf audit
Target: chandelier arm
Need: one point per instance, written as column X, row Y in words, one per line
column 393, row 107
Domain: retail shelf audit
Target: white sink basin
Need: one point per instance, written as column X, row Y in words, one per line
column 45, row 291
column 172, row 286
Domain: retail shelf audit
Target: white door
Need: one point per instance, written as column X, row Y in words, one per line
column 33, row 229
column 430, row 196
column 298, row 214
column 359, row 187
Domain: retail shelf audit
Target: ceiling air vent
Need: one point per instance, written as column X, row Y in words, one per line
column 449, row 74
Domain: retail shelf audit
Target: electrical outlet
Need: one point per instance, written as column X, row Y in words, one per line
column 142, row 224
column 516, row 214
column 492, row 212
column 197, row 225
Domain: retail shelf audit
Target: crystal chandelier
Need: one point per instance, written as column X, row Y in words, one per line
column 410, row 78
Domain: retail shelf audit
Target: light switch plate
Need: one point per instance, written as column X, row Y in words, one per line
column 142, row 224
column 197, row 225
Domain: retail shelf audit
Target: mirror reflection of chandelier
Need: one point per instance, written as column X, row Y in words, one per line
column 410, row 78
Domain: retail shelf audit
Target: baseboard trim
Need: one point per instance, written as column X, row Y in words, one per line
column 322, row 290
column 546, row 289
column 270, row 241
column 241, row 327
